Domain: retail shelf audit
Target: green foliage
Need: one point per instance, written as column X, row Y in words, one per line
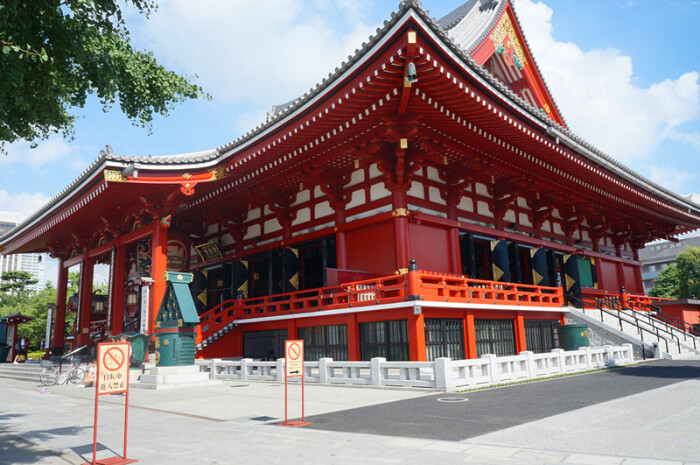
column 54, row 53
column 13, row 286
column 688, row 264
column 666, row 285
column 681, row 279
column 34, row 305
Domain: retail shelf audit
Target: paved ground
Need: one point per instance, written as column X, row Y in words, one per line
column 457, row 417
column 647, row 415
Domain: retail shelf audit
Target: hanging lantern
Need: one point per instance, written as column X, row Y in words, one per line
column 411, row 73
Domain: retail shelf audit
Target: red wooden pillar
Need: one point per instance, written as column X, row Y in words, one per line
column 353, row 337
column 341, row 256
column 416, row 335
column 453, row 245
column 117, row 286
column 470, row 335
column 160, row 263
column 61, row 291
column 291, row 329
column 400, row 213
column 85, row 309
column 520, row 339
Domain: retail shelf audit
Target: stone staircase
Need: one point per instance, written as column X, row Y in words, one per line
column 642, row 328
column 21, row 371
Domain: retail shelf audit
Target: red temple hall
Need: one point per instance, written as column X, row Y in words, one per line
column 426, row 199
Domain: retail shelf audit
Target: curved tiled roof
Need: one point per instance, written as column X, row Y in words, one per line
column 213, row 156
column 470, row 23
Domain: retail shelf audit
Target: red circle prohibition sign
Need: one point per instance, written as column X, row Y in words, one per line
column 294, row 351
column 113, row 359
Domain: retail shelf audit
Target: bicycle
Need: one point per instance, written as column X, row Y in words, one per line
column 51, row 376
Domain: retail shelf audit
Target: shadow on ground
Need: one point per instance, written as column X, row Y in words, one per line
column 488, row 410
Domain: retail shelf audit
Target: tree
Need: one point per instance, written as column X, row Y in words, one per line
column 57, row 52
column 667, row 283
column 681, row 279
column 688, row 264
column 13, row 285
column 37, row 307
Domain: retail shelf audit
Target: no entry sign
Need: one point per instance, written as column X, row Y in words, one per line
column 113, row 368
column 293, row 367
column 112, row 378
column 294, row 357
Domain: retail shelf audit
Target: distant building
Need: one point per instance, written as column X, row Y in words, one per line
column 32, row 263
column 658, row 255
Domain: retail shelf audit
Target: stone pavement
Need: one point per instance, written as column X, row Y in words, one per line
column 235, row 423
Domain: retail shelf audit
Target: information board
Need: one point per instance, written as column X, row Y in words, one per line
column 112, row 367
column 294, row 358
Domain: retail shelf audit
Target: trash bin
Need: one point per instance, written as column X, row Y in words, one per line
column 573, row 337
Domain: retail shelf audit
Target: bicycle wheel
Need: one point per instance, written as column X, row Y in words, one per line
column 77, row 376
column 48, row 376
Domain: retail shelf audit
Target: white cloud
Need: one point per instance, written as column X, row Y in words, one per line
column 258, row 55
column 598, row 98
column 49, row 151
column 24, row 203
column 672, row 178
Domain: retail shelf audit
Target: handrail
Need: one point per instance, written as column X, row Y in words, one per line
column 388, row 289
column 646, row 311
column 651, row 314
column 677, row 323
column 597, row 304
column 457, row 288
column 415, row 285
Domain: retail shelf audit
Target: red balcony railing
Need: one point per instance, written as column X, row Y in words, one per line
column 418, row 285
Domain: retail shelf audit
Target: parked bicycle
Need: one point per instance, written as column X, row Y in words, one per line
column 55, row 375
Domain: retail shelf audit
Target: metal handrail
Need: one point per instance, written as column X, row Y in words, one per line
column 640, row 329
column 645, row 311
column 648, row 310
column 670, row 319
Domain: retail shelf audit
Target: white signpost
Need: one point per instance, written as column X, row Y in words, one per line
column 293, row 367
column 49, row 321
column 145, row 300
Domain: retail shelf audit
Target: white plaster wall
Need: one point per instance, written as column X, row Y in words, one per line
column 272, row 226
column 483, row 209
column 433, row 174
column 374, row 171
column 434, row 194
column 226, row 239
column 303, row 215
column 524, row 220
column 356, row 177
column 357, row 198
column 481, row 189
column 322, row 209
column 253, row 231
column 378, row 191
column 466, row 204
column 253, row 214
column 416, row 190
column 303, row 196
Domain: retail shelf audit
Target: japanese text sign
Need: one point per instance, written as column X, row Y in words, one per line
column 112, row 367
column 294, row 358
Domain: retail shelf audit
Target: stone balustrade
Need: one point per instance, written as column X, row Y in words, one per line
column 441, row 374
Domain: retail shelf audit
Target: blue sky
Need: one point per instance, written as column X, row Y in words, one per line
column 624, row 74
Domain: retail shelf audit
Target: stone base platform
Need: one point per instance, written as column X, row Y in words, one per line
column 173, row 377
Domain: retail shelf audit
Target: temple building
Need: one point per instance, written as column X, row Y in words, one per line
column 427, row 199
